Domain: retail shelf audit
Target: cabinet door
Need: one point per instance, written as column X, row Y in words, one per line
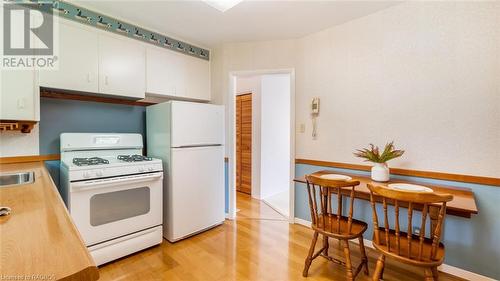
column 198, row 78
column 19, row 96
column 165, row 73
column 122, row 67
column 78, row 61
column 19, row 92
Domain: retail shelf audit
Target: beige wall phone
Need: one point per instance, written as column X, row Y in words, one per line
column 314, row 114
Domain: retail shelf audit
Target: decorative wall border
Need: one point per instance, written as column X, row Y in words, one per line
column 407, row 172
column 95, row 19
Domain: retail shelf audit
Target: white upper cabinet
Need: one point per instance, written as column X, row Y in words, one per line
column 175, row 75
column 122, row 67
column 19, row 92
column 164, row 73
column 78, row 61
column 198, row 78
column 19, row 95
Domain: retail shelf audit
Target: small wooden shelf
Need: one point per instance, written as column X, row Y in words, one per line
column 22, row 126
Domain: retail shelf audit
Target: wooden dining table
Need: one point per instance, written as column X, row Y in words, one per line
column 462, row 205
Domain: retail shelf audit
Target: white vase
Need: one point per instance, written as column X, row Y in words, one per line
column 380, row 172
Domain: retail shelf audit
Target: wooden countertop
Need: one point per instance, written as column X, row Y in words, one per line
column 39, row 238
column 462, row 205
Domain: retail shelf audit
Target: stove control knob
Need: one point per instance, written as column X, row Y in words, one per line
column 151, row 169
column 86, row 175
column 141, row 169
column 98, row 173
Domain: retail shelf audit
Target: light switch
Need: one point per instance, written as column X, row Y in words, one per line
column 302, row 128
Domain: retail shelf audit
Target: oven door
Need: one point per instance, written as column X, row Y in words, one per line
column 104, row 209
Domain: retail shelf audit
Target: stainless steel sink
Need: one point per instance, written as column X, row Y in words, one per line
column 13, row 179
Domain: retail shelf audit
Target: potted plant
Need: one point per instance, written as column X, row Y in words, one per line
column 380, row 170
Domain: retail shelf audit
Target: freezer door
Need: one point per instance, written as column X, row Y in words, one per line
column 195, row 194
column 197, row 124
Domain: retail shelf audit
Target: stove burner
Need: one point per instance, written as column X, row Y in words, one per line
column 134, row 158
column 89, row 161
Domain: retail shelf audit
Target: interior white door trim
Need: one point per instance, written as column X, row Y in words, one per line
column 231, row 98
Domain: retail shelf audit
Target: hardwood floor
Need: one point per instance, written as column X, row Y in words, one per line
column 259, row 245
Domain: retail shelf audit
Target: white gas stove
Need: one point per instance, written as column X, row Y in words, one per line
column 113, row 192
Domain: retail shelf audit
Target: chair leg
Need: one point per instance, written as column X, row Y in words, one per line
column 379, row 268
column 348, row 263
column 311, row 253
column 364, row 258
column 435, row 273
column 325, row 245
column 428, row 275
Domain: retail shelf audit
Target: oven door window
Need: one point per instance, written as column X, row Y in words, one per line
column 119, row 205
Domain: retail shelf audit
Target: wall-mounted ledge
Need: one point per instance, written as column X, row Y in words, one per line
column 14, row 125
column 407, row 172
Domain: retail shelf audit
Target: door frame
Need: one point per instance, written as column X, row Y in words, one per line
column 231, row 103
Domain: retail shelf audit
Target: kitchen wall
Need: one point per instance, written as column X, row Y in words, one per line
column 19, row 144
column 68, row 116
column 424, row 74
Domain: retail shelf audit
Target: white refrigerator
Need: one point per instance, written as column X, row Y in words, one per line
column 189, row 138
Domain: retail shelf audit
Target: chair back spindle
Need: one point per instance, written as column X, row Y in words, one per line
column 414, row 245
column 332, row 223
column 322, row 190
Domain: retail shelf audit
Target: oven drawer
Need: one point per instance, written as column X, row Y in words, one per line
column 105, row 209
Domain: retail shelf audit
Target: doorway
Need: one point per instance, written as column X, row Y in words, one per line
column 261, row 110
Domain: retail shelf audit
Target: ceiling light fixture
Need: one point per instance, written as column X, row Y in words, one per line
column 222, row 5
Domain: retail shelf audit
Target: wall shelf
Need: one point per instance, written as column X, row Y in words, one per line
column 12, row 125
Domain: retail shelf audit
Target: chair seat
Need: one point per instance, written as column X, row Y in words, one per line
column 392, row 251
column 329, row 226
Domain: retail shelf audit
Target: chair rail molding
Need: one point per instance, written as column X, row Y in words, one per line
column 407, row 172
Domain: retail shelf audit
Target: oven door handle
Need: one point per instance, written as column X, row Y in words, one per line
column 86, row 185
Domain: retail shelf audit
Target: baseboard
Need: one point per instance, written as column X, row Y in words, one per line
column 462, row 273
column 455, row 271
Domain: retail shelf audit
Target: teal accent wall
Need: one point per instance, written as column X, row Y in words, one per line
column 470, row 243
column 71, row 116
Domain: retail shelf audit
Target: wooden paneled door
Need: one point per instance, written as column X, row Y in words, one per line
column 244, row 143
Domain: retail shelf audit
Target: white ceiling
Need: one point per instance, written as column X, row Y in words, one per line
column 251, row 20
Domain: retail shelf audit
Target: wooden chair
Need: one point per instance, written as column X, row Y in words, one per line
column 331, row 223
column 406, row 247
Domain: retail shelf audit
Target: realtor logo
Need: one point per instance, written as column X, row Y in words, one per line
column 28, row 36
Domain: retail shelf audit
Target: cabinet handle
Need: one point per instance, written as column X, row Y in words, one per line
column 88, row 78
column 105, row 79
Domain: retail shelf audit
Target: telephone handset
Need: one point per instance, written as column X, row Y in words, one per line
column 314, row 114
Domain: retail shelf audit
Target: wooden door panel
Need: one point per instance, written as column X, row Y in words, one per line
column 244, row 143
